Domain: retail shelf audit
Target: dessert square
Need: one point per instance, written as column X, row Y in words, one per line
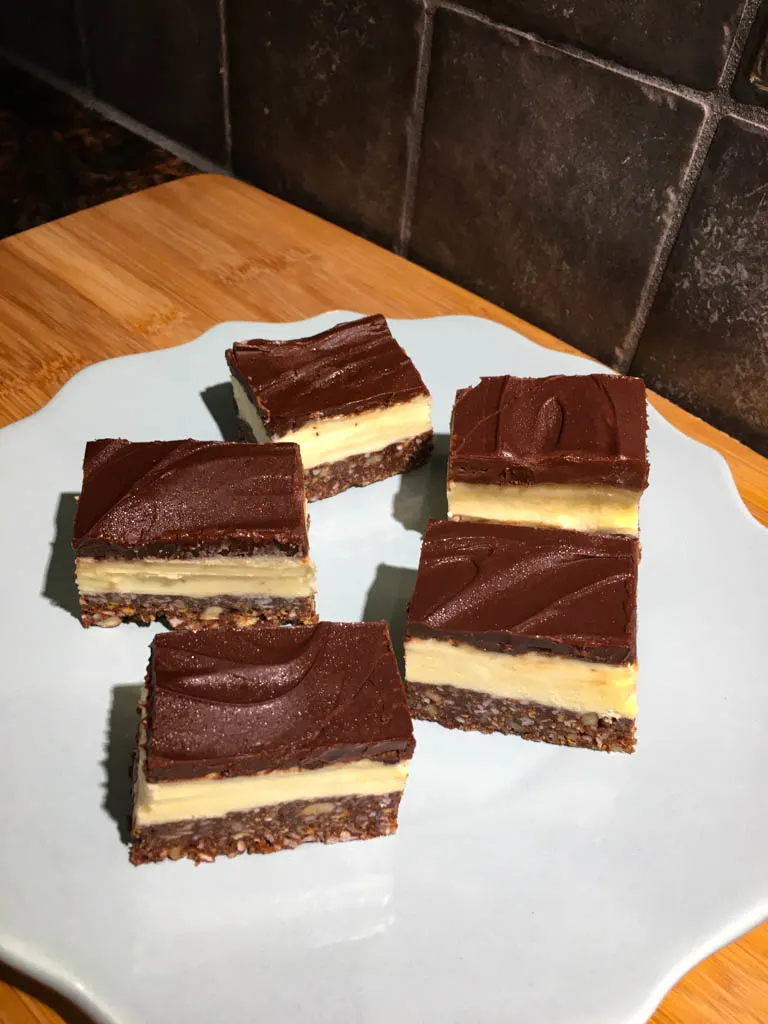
column 349, row 397
column 550, row 451
column 525, row 630
column 196, row 533
column 257, row 740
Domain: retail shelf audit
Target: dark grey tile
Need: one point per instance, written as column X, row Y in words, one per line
column 751, row 82
column 685, row 40
column 44, row 32
column 160, row 62
column 706, row 343
column 321, row 96
column 544, row 180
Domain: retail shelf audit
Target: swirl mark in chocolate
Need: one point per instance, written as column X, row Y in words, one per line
column 523, row 588
column 579, row 429
column 170, row 498
column 235, row 702
column 347, row 369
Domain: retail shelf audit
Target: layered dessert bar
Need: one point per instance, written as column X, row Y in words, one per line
column 257, row 740
column 196, row 533
column 550, row 451
column 525, row 630
column 350, row 397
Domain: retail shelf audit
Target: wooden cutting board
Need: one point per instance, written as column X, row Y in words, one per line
column 158, row 268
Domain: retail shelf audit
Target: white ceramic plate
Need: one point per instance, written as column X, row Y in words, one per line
column 527, row 884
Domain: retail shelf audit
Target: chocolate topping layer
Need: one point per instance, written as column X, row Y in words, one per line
column 236, row 702
column 533, row 430
column 345, row 370
column 179, row 499
column 519, row 588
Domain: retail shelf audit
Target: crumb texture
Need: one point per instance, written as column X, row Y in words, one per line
column 192, row 613
column 469, row 710
column 269, row 829
column 360, row 470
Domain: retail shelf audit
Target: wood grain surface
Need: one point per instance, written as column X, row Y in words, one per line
column 160, row 267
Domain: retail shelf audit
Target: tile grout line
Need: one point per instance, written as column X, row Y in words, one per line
column 736, row 49
column 644, row 78
column 624, row 353
column 414, row 130
column 224, row 57
column 110, row 113
column 755, row 116
column 722, row 100
column 718, row 98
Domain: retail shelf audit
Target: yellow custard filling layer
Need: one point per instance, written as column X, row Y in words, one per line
column 608, row 690
column 265, row 575
column 156, row 803
column 340, row 437
column 586, row 507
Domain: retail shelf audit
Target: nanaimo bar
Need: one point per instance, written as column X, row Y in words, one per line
column 350, row 397
column 525, row 631
column 194, row 533
column 560, row 451
column 258, row 740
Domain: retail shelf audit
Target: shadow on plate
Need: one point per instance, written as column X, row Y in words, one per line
column 387, row 598
column 67, row 1010
column 422, row 492
column 118, row 760
column 221, row 405
column 60, row 587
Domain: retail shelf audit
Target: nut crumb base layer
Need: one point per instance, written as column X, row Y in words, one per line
column 360, row 470
column 268, row 829
column 195, row 613
column 456, row 708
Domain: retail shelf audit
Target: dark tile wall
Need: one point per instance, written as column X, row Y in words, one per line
column 706, row 341
column 47, row 33
column 320, row 99
column 686, row 40
column 536, row 167
column 161, row 62
column 596, row 166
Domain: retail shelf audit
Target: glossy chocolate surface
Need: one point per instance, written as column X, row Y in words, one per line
column 348, row 369
column 240, row 701
column 519, row 588
column 566, row 429
column 178, row 499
